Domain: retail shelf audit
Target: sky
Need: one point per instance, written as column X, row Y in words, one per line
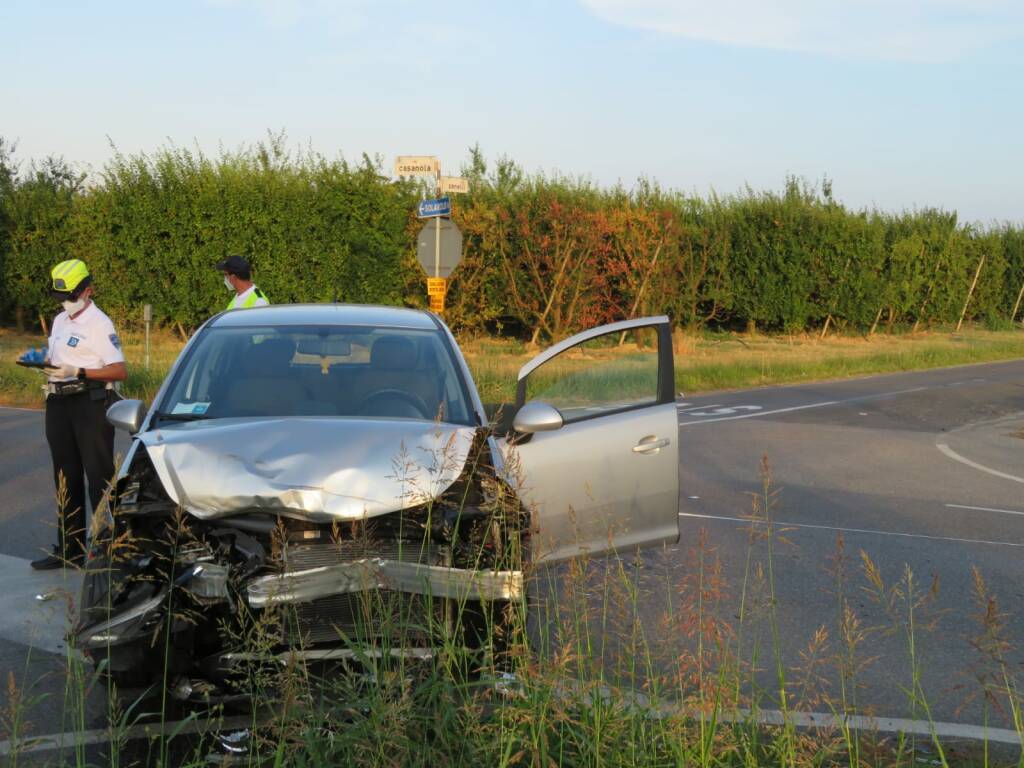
column 903, row 104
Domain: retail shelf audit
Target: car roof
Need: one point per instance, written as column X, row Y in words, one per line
column 326, row 314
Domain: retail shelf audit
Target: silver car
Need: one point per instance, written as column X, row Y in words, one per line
column 301, row 462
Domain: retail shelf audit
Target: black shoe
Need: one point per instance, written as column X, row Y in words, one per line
column 53, row 561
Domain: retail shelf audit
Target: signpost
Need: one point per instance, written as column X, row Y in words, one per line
column 454, row 185
column 439, row 243
column 429, row 208
column 439, row 248
column 417, row 165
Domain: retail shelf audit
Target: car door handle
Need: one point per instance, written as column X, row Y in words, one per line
column 650, row 444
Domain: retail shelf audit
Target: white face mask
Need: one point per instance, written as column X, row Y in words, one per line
column 73, row 307
column 227, row 283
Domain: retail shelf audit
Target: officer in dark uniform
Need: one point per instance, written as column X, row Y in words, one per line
column 83, row 362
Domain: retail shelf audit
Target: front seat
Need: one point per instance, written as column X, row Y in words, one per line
column 393, row 361
column 265, row 385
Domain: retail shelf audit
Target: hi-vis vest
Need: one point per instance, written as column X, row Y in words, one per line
column 250, row 300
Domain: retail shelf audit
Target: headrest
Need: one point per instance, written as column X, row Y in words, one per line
column 274, row 354
column 393, row 353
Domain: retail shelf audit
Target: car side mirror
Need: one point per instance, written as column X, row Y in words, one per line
column 536, row 416
column 127, row 415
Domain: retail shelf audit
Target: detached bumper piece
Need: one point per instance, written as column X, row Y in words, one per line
column 381, row 574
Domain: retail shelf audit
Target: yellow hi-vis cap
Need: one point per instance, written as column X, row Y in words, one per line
column 68, row 275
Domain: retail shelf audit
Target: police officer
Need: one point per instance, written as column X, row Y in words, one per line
column 84, row 361
column 238, row 278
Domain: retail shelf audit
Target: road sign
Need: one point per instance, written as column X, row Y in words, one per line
column 437, row 303
column 456, row 185
column 437, row 285
column 417, row 165
column 442, row 206
column 439, row 247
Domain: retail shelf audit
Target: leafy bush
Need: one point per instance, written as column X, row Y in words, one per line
column 542, row 256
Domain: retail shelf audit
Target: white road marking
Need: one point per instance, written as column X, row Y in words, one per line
column 725, row 411
column 975, row 465
column 72, row 739
column 25, row 620
column 880, row 395
column 26, row 410
column 826, row 720
column 691, row 406
column 759, row 413
column 985, row 509
column 784, row 524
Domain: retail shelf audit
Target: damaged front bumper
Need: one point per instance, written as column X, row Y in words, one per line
column 380, row 574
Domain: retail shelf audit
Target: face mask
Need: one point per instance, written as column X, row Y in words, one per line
column 227, row 283
column 73, row 307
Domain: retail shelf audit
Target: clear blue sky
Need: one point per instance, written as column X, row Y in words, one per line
column 903, row 103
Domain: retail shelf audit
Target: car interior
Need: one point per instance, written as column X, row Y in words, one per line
column 401, row 377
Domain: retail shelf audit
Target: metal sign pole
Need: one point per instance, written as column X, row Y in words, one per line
column 437, row 246
column 437, row 230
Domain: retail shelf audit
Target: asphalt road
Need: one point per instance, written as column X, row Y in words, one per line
column 920, row 470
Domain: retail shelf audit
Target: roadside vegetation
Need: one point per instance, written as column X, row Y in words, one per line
column 704, row 362
column 613, row 662
column 543, row 256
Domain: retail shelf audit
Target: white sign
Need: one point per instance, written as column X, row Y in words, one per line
column 417, row 165
column 453, row 184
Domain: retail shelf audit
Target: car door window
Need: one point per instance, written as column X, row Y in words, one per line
column 609, row 373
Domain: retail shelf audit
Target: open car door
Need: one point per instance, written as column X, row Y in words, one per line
column 595, row 443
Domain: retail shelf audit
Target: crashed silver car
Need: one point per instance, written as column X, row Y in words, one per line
column 301, row 462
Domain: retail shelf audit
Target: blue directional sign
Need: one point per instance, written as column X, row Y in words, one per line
column 429, row 208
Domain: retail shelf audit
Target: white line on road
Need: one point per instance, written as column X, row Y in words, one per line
column 784, row 524
column 72, row 739
column 759, row 413
column 860, row 398
column 975, row 465
column 14, row 408
column 826, row 720
column 985, row 509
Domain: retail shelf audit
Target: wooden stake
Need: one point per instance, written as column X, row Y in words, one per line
column 974, row 282
column 878, row 317
column 42, row 322
column 1016, row 306
column 824, row 331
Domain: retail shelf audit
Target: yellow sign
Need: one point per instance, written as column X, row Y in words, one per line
column 437, row 286
column 437, row 302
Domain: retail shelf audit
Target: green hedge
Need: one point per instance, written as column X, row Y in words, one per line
column 542, row 256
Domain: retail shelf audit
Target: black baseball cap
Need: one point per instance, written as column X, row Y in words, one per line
column 235, row 265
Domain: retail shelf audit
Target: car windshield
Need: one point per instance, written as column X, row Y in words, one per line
column 355, row 371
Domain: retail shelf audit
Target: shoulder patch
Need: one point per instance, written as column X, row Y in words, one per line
column 115, row 341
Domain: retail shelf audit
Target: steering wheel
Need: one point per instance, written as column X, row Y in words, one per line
column 394, row 394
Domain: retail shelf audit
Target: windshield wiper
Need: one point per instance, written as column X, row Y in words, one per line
column 181, row 416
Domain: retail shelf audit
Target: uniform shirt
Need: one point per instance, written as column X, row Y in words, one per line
column 241, row 298
column 87, row 341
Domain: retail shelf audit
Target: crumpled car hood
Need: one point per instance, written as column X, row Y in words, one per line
column 316, row 469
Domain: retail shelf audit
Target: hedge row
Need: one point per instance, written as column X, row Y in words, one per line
column 542, row 256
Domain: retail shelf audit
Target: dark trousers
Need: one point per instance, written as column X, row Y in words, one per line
column 81, row 446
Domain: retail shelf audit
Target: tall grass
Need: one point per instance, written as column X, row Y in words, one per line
column 651, row 659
